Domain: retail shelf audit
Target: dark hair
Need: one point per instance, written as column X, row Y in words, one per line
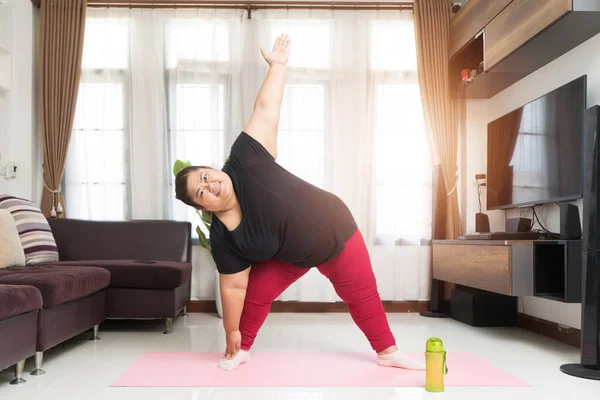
column 181, row 186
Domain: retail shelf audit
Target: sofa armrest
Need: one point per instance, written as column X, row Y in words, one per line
column 122, row 240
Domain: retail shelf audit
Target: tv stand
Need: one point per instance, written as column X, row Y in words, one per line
column 502, row 236
column 498, row 266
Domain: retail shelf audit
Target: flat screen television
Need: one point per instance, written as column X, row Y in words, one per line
column 535, row 153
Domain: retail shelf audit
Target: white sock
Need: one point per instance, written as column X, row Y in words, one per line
column 397, row 360
column 240, row 358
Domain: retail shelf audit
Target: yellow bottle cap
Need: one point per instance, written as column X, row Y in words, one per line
column 434, row 345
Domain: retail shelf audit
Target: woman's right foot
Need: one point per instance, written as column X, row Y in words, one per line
column 240, row 358
column 398, row 360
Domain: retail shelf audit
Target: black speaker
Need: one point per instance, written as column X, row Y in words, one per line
column 518, row 224
column 570, row 224
column 589, row 367
column 482, row 223
column 477, row 307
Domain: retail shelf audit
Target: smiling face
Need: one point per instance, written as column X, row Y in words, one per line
column 210, row 188
column 205, row 188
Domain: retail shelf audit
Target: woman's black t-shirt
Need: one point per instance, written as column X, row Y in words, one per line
column 283, row 217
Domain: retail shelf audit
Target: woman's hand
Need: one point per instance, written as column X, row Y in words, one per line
column 234, row 342
column 280, row 52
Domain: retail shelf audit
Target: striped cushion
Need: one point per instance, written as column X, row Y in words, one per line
column 35, row 234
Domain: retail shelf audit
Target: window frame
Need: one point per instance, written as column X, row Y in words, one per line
column 326, row 172
column 114, row 76
column 190, row 73
column 392, row 78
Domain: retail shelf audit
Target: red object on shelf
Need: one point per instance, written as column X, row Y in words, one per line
column 465, row 74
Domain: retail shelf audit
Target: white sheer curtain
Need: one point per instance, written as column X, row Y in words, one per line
column 202, row 64
column 150, row 172
column 117, row 160
column 200, row 61
column 96, row 182
column 351, row 123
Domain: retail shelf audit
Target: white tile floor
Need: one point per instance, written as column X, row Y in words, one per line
column 81, row 369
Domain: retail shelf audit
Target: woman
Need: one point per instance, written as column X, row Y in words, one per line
column 270, row 227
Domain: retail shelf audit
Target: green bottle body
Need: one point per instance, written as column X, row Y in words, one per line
column 435, row 365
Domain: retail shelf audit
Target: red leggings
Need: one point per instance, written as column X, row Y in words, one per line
column 353, row 280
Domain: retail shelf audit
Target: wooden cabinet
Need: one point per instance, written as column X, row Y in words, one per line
column 504, row 267
column 471, row 20
column 519, row 37
column 517, row 24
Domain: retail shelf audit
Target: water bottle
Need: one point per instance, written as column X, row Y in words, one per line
column 435, row 365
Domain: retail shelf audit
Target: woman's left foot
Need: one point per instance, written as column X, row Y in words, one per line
column 241, row 357
column 398, row 360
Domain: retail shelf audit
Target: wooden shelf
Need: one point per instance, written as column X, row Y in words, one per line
column 546, row 44
column 489, row 84
column 471, row 20
column 557, row 267
column 518, row 23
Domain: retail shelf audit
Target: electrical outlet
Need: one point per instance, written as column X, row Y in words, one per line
column 10, row 171
column 480, row 179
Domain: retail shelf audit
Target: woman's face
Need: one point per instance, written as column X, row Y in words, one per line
column 210, row 188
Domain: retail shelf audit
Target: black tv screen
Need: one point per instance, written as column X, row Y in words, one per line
column 535, row 153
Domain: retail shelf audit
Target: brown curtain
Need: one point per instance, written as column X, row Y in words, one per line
column 432, row 24
column 62, row 24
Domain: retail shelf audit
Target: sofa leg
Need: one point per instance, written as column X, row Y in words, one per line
column 18, row 373
column 184, row 312
column 168, row 326
column 95, row 336
column 39, row 357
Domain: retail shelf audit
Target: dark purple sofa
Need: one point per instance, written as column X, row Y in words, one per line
column 19, row 307
column 138, row 289
column 73, row 302
column 125, row 269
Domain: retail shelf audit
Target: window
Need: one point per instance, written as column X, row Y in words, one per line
column 200, row 123
column 402, row 165
column 209, row 89
column 198, row 86
column 197, row 131
column 301, row 131
column 96, row 174
column 302, row 125
column 311, row 42
column 182, row 41
column 393, row 46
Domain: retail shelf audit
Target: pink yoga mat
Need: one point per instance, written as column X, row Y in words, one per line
column 302, row 370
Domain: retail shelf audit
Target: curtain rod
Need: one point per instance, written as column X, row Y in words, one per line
column 251, row 5
column 338, row 5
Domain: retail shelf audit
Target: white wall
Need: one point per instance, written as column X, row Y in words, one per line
column 584, row 59
column 18, row 106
